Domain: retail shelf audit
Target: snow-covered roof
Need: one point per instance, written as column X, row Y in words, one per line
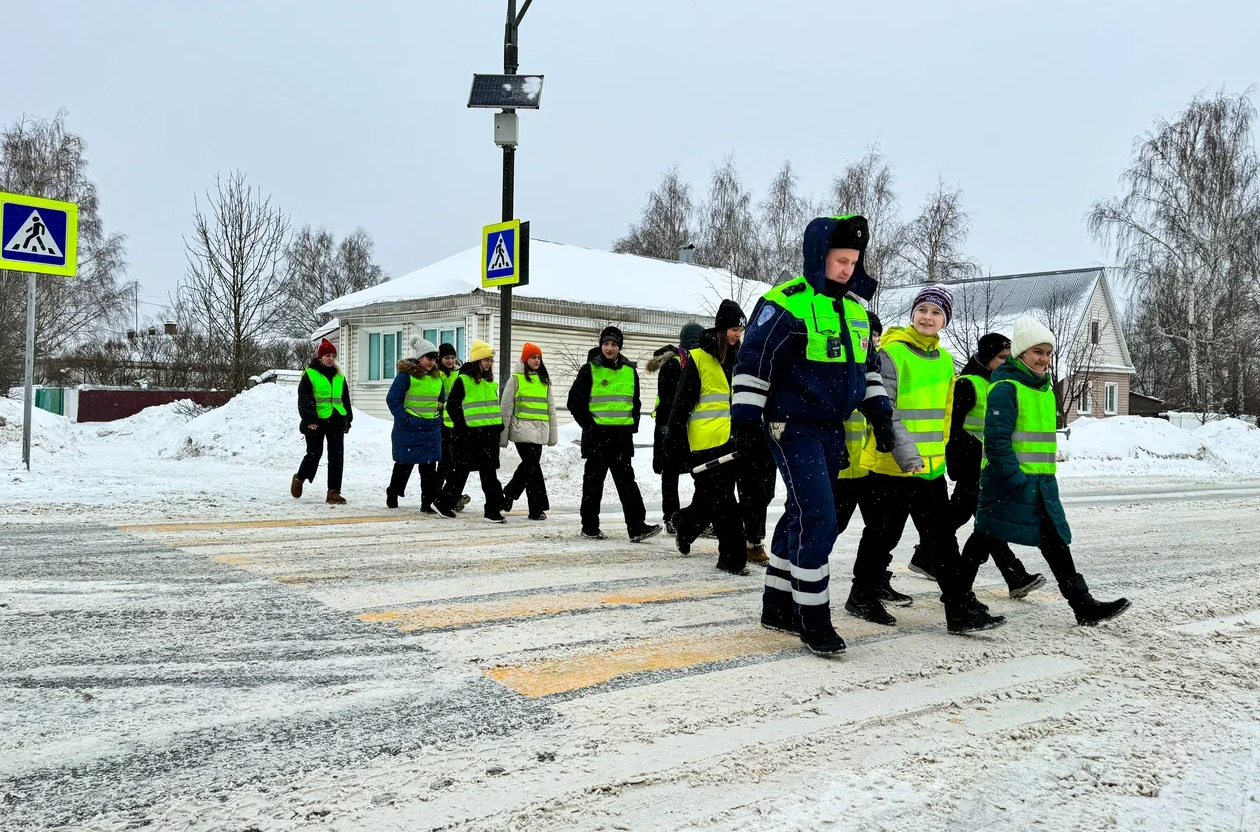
column 558, row 271
column 995, row 303
column 323, row 331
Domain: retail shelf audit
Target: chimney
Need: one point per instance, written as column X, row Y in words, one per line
column 172, row 328
column 153, row 330
column 131, row 335
column 687, row 254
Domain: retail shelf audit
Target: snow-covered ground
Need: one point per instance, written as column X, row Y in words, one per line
column 188, row 648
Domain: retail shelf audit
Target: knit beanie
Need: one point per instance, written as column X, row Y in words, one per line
column 1029, row 332
column 421, row 347
column 528, row 350
column 990, row 345
column 611, row 333
column 937, row 295
column 689, row 338
column 729, row 315
column 480, row 350
column 445, row 350
column 325, row 348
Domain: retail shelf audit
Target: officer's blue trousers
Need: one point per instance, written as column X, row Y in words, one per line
column 809, row 456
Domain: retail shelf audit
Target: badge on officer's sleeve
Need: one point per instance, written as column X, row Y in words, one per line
column 767, row 312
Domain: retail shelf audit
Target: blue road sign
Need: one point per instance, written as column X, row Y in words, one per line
column 500, row 254
column 38, row 235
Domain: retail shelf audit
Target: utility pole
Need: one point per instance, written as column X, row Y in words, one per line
column 511, row 29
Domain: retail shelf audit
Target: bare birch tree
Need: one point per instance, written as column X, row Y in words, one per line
column 978, row 310
column 784, row 213
column 866, row 187
column 1188, row 214
column 318, row 269
column 42, row 158
column 234, row 289
column 667, row 223
column 933, row 243
column 729, row 236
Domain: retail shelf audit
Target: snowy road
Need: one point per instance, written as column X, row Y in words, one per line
column 360, row 673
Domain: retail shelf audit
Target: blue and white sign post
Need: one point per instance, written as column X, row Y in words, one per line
column 37, row 236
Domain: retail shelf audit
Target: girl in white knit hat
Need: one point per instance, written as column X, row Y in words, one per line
column 1019, row 495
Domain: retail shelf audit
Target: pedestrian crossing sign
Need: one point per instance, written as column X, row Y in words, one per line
column 500, row 254
column 38, row 235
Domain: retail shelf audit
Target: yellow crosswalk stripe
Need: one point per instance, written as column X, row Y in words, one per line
column 452, row 615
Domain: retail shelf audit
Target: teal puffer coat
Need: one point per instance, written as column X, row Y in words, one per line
column 1011, row 501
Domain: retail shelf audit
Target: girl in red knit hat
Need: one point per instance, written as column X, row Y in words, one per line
column 529, row 421
column 324, row 405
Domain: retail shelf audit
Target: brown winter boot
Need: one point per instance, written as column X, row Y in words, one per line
column 336, row 499
column 757, row 553
column 295, row 487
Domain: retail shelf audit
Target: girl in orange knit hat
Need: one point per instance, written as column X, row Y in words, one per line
column 529, row 421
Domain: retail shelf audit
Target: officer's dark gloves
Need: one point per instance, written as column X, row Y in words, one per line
column 885, row 438
column 750, row 443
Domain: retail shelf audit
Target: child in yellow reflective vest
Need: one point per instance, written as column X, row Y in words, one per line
column 1019, row 494
column 529, row 421
column 473, row 407
column 909, row 481
column 324, row 405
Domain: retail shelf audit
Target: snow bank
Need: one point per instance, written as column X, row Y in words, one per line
column 150, row 423
column 50, row 433
column 260, row 427
column 1133, row 445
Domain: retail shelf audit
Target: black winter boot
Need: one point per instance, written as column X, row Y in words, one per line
column 682, row 539
column 817, row 633
column 921, row 562
column 391, row 499
column 1090, row 611
column 967, row 615
column 777, row 616
column 1020, row 586
column 885, row 593
column 864, row 603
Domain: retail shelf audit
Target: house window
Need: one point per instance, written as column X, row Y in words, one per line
column 1083, row 404
column 1095, row 332
column 1111, row 398
column 384, row 350
column 452, row 334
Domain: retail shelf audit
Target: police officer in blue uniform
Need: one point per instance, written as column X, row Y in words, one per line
column 806, row 363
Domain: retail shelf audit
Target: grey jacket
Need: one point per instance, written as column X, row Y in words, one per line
column 531, row 431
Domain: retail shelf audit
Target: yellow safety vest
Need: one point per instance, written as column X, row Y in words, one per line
column 973, row 422
column 709, row 425
column 612, row 395
column 328, row 394
column 449, row 377
column 481, row 402
column 423, row 398
column 923, row 386
column 1034, row 439
column 854, row 438
column 531, row 399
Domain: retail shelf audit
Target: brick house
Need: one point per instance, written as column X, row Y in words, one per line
column 1092, row 368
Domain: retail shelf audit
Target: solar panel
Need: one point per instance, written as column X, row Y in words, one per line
column 508, row 92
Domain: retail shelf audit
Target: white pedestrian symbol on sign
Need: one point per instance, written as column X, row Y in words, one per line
column 500, row 259
column 33, row 238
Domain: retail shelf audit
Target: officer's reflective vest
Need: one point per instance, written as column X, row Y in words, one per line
column 531, row 399
column 922, row 389
column 1034, row 440
column 481, row 402
column 449, row 377
column 973, row 422
column 823, row 322
column 854, row 438
column 328, row 394
column 709, row 425
column 612, row 395
column 657, row 406
column 423, row 398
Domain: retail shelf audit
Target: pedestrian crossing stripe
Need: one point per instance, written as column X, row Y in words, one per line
column 38, row 235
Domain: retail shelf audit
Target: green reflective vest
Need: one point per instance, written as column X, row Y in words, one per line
column 449, row 378
column 657, row 406
column 923, row 386
column 1034, row 439
column 612, row 395
column 973, row 422
column 423, row 398
column 823, row 322
column 854, row 439
column 481, row 402
column 709, row 425
column 531, row 399
column 328, row 394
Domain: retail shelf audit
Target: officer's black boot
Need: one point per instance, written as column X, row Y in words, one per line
column 864, row 603
column 1090, row 611
column 921, row 562
column 816, row 630
column 778, row 613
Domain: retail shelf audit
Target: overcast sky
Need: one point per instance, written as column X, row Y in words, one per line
column 354, row 113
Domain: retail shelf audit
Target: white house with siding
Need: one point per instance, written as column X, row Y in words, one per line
column 1092, row 361
column 573, row 293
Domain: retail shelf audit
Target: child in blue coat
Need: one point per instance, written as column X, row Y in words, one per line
column 1019, row 494
column 415, row 399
